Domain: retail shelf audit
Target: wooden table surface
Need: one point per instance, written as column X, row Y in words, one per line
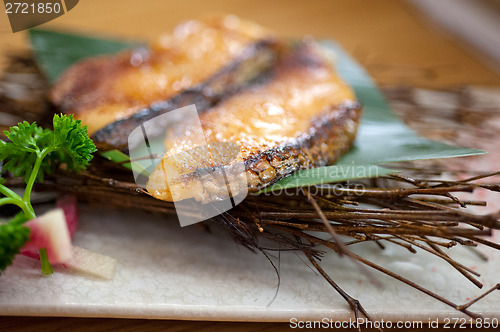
column 394, row 42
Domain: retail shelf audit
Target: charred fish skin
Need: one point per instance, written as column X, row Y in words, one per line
column 329, row 137
column 302, row 116
column 252, row 66
column 196, row 63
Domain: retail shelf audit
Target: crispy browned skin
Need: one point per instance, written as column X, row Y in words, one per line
column 304, row 116
column 199, row 63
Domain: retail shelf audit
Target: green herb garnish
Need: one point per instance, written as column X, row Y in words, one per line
column 13, row 236
column 32, row 153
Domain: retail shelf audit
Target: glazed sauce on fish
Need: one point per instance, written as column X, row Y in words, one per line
column 102, row 90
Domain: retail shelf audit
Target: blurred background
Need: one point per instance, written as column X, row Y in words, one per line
column 414, row 42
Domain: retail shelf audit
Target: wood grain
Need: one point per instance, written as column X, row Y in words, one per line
column 56, row 324
column 389, row 37
column 394, row 43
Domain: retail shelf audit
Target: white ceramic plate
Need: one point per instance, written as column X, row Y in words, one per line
column 170, row 272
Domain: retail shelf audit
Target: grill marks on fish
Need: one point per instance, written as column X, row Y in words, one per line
column 330, row 136
column 303, row 116
column 250, row 67
column 200, row 63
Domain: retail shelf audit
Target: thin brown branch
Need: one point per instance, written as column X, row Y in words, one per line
column 468, row 304
column 342, row 249
column 354, row 304
column 402, row 279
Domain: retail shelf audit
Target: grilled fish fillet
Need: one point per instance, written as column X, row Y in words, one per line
column 198, row 64
column 303, row 116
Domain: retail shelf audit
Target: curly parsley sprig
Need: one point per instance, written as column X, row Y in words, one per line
column 32, row 153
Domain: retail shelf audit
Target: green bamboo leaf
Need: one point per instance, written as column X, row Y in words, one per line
column 327, row 174
column 382, row 137
column 118, row 157
column 56, row 51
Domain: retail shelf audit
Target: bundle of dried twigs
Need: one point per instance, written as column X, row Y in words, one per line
column 414, row 210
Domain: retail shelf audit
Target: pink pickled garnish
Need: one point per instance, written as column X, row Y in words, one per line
column 40, row 239
column 69, row 205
